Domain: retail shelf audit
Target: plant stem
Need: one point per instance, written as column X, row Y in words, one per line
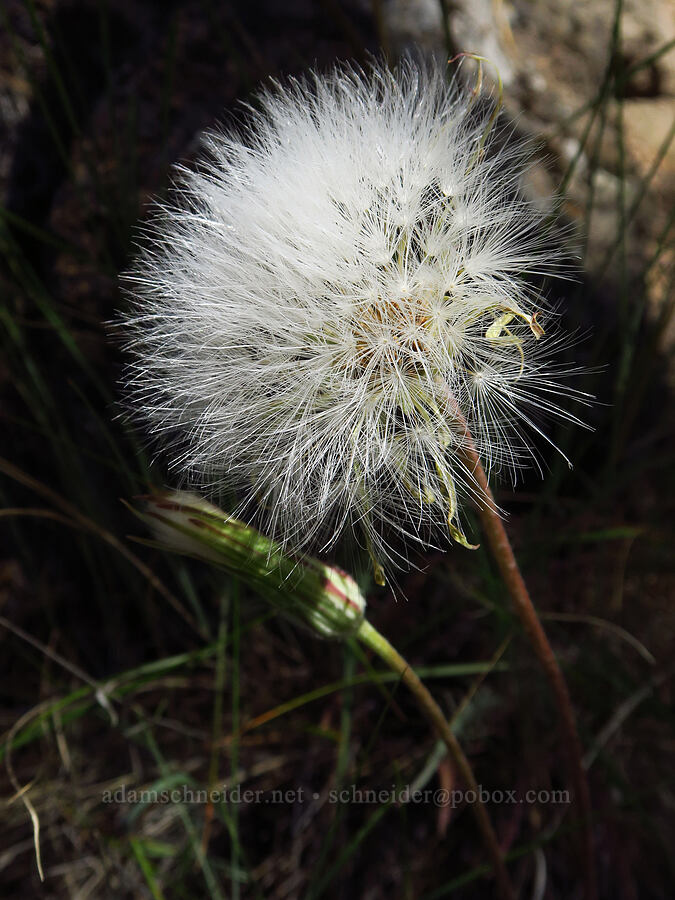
column 503, row 554
column 428, row 706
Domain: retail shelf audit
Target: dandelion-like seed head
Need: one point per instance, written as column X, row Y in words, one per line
column 336, row 300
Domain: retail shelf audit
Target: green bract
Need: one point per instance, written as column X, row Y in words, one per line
column 301, row 588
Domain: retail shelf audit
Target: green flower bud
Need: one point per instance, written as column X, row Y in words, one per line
column 303, row 589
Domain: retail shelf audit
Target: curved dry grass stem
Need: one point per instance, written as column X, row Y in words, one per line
column 75, row 519
column 504, row 556
column 428, row 706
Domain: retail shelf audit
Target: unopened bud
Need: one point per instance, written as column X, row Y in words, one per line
column 303, row 589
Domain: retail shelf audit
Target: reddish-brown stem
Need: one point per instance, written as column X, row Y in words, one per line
column 504, row 557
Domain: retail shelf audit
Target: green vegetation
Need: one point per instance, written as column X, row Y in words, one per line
column 126, row 669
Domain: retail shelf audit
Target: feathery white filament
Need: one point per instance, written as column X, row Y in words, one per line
column 326, row 292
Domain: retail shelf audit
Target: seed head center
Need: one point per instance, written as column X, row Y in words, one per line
column 391, row 334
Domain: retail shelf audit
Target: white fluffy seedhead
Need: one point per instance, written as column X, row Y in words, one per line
column 333, row 298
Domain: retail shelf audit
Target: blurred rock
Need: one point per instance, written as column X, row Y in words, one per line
column 605, row 125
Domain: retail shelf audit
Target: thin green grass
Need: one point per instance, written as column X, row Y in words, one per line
column 216, row 693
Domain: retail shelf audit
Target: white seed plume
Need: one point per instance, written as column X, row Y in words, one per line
column 333, row 298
